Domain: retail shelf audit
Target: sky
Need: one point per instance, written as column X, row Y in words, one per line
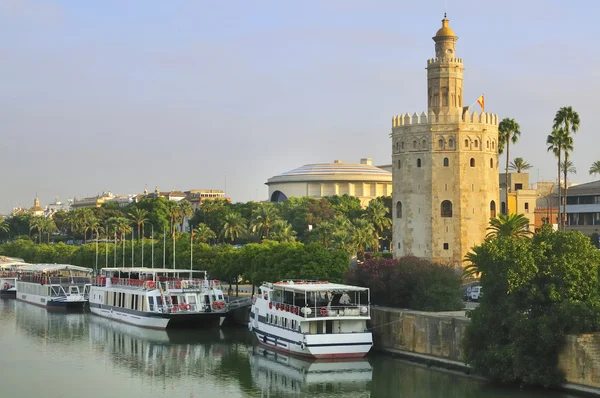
column 119, row 95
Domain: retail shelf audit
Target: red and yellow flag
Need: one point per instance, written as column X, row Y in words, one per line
column 481, row 103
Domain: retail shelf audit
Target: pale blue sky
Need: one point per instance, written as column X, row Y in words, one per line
column 117, row 95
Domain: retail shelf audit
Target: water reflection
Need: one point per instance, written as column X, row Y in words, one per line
column 283, row 375
column 50, row 327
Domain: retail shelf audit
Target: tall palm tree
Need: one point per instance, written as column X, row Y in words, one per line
column 87, row 217
column 364, row 234
column 595, row 168
column 234, row 227
column 174, row 212
column 376, row 214
column 518, row 164
column 508, row 131
column 139, row 217
column 567, row 119
column 569, row 167
column 49, row 227
column 203, row 233
column 4, row 227
column 509, row 225
column 282, row 231
column 555, row 142
column 185, row 210
column 263, row 217
column 37, row 223
column 121, row 224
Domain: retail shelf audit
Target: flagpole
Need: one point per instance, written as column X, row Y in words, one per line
column 115, row 249
column 191, row 249
column 173, row 232
column 123, row 243
column 142, row 246
column 152, row 245
column 164, row 247
column 132, row 245
column 106, row 249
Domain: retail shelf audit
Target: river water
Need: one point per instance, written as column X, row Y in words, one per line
column 55, row 355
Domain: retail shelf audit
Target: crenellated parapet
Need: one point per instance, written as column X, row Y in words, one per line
column 407, row 119
column 444, row 59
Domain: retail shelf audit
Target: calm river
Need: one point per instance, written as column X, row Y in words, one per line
column 52, row 355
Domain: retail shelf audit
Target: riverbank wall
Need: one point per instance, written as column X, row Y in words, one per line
column 436, row 337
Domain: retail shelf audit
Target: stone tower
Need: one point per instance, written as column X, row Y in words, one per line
column 445, row 166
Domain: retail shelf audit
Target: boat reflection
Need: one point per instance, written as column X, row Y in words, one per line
column 283, row 375
column 51, row 327
column 172, row 353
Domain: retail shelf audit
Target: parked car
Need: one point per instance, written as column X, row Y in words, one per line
column 474, row 293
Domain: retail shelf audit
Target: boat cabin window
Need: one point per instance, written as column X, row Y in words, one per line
column 151, row 301
column 214, row 298
column 220, row 297
column 175, row 299
column 158, row 300
column 191, row 299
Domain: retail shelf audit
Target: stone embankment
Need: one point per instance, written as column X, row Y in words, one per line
column 437, row 337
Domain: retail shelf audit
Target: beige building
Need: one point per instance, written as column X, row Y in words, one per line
column 522, row 199
column 362, row 180
column 445, row 166
column 37, row 210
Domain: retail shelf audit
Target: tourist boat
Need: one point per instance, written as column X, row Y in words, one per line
column 55, row 286
column 287, row 375
column 158, row 298
column 8, row 276
column 312, row 318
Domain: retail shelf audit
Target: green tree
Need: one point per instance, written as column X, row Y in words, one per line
column 509, row 132
column 263, row 218
column 377, row 215
column 120, row 224
column 234, row 227
column 282, row 231
column 49, row 227
column 347, row 205
column 544, row 288
column 139, row 217
column 509, row 225
column 185, row 210
column 37, row 223
column 203, row 234
column 518, row 164
column 595, row 168
column 174, row 213
column 555, row 143
column 364, row 235
column 4, row 227
column 567, row 120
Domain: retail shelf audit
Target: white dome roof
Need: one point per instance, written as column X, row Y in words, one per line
column 333, row 171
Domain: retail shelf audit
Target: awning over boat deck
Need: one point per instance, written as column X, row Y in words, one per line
column 145, row 270
column 6, row 259
column 315, row 287
column 10, row 266
column 53, row 268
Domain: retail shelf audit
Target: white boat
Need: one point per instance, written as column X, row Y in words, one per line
column 285, row 375
column 56, row 286
column 8, row 277
column 313, row 319
column 158, row 298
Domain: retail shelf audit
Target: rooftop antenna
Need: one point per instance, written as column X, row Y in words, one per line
column 445, row 8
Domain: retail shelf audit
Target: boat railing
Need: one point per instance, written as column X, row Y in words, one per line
column 56, row 280
column 324, row 311
column 181, row 308
column 149, row 284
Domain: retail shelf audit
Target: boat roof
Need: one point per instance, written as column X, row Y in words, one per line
column 11, row 265
column 53, row 268
column 301, row 286
column 6, row 259
column 145, row 270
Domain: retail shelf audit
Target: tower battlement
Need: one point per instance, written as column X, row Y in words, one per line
column 407, row 119
column 444, row 59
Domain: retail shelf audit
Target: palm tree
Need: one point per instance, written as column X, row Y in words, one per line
column 203, row 233
column 324, row 232
column 364, row 234
column 569, row 167
column 567, row 119
column 49, row 226
column 37, row 223
column 508, row 131
column 595, row 168
column 471, row 269
column 139, row 217
column 509, row 225
column 263, row 217
column 519, row 165
column 174, row 212
column 234, row 227
column 121, row 224
column 4, row 227
column 87, row 215
column 376, row 214
column 282, row 231
column 555, row 142
column 185, row 210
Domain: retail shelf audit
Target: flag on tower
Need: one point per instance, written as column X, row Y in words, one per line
column 481, row 103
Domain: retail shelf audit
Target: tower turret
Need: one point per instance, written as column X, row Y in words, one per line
column 445, row 73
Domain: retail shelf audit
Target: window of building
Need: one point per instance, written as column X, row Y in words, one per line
column 424, row 144
column 472, row 162
column 493, row 144
column 446, row 162
column 450, row 143
column 476, row 143
column 398, row 209
column 399, row 245
column 445, row 246
column 446, row 208
column 503, row 207
column 487, row 144
column 399, row 164
column 418, row 162
column 526, row 207
column 397, row 146
column 466, row 143
column 402, row 145
column 414, row 144
column 491, row 163
column 441, row 143
column 492, row 209
column 518, row 186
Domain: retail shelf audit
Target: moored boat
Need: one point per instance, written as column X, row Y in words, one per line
column 312, row 318
column 54, row 286
column 158, row 298
column 8, row 278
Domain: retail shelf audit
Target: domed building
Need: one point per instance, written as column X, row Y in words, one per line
column 361, row 180
column 37, row 210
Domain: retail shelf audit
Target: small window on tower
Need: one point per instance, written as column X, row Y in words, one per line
column 446, row 246
column 491, row 163
column 399, row 164
column 450, row 143
column 424, row 143
column 446, row 162
column 414, row 144
column 472, row 162
column 441, row 144
column 466, row 143
column 418, row 162
column 476, row 144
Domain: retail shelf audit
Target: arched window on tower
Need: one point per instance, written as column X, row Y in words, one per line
column 402, row 145
column 397, row 146
column 418, row 162
column 446, row 162
column 476, row 143
column 492, row 209
column 415, row 144
column 487, row 144
column 503, row 208
column 444, row 96
column 491, row 163
column 399, row 164
column 466, row 143
column 424, row 143
column 450, row 143
column 446, row 208
column 398, row 209
column 493, row 145
column 472, row 162
column 441, row 143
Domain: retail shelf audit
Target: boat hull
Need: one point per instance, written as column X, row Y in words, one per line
column 159, row 321
column 51, row 304
column 11, row 293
